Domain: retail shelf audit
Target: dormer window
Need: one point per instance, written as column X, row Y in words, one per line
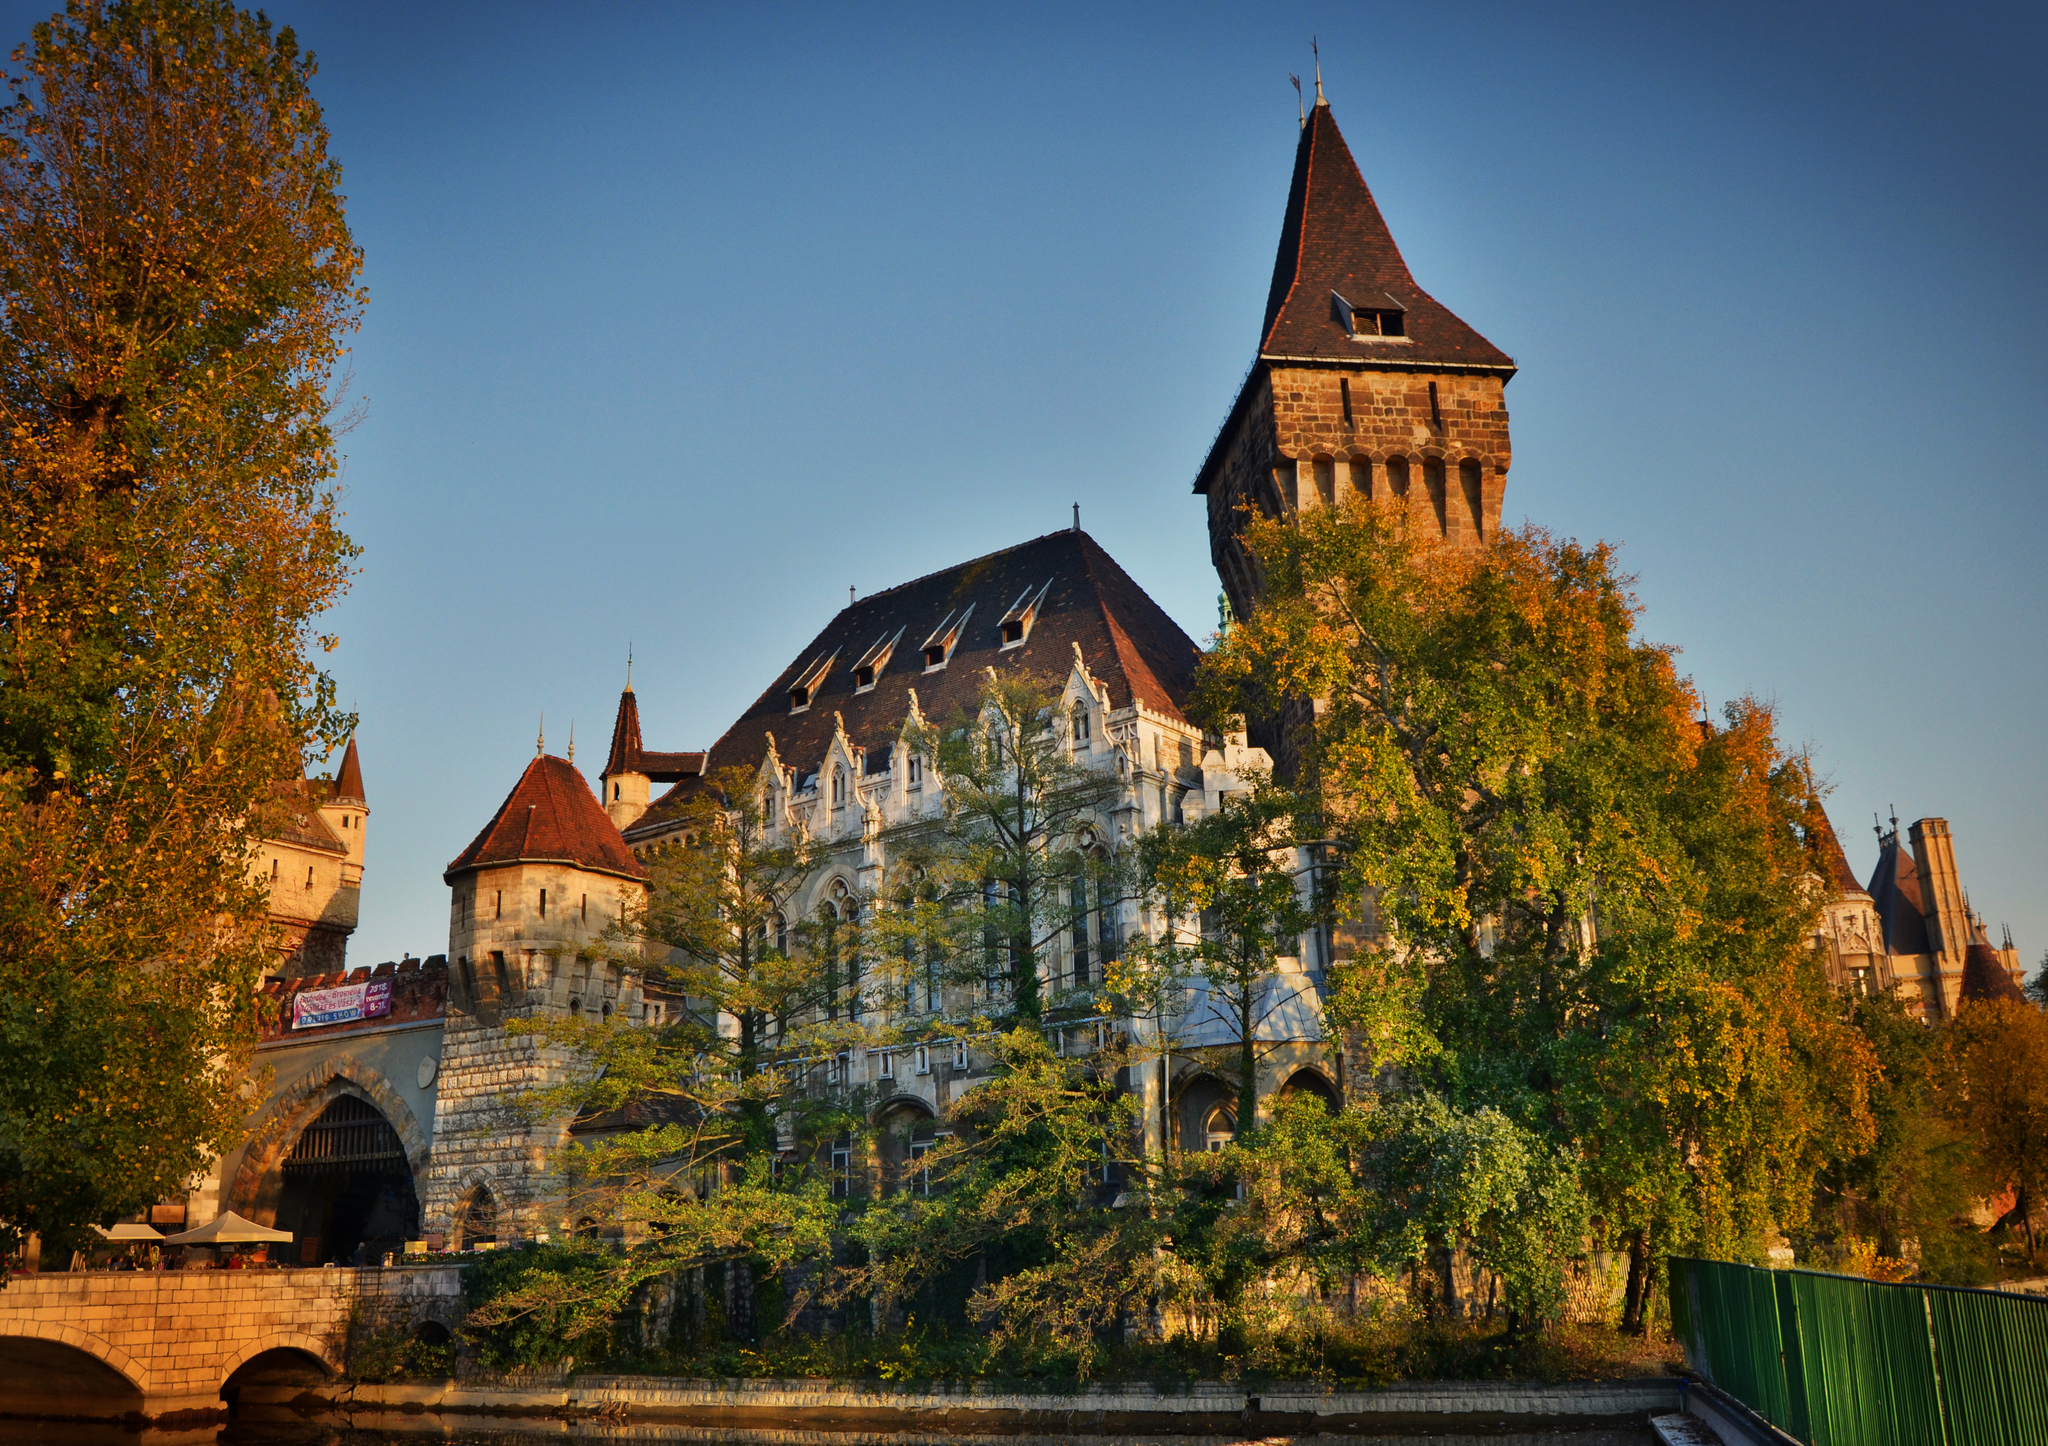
column 914, row 772
column 1080, row 727
column 838, row 786
column 806, row 686
column 938, row 648
column 872, row 662
column 1378, row 315
column 1016, row 624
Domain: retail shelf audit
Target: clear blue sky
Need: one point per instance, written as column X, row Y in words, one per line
column 685, row 319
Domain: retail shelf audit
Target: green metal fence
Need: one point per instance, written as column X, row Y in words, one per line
column 1837, row 1361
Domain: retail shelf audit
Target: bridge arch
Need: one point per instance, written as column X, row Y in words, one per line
column 293, row 1341
column 47, row 1366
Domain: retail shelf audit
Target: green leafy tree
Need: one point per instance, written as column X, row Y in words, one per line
column 992, row 882
column 178, row 281
column 1233, row 903
column 715, row 1150
column 1593, row 907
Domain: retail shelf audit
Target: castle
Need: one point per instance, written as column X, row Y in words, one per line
column 384, row 1115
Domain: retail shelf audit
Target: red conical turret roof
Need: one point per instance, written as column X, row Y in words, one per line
column 348, row 784
column 628, row 756
column 551, row 816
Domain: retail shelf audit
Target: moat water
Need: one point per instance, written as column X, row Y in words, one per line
column 278, row 1427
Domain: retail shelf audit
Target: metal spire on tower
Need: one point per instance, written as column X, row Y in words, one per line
column 540, row 739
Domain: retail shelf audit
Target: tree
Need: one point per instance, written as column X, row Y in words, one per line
column 1595, row 906
column 1002, row 873
column 178, row 280
column 1998, row 1093
column 1233, row 904
column 717, row 1119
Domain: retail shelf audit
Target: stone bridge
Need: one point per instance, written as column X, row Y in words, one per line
column 113, row 1344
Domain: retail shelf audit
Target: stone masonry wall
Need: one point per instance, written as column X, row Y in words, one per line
column 1299, row 415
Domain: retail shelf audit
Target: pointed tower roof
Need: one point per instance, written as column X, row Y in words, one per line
column 348, row 784
column 625, row 736
column 1334, row 240
column 1895, row 889
column 550, row 816
column 1825, row 849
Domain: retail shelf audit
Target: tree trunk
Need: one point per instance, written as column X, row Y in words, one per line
column 1638, row 1282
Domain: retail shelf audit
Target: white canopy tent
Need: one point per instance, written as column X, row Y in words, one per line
column 228, row 1229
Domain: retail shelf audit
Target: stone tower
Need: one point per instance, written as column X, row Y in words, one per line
column 1363, row 385
column 527, row 899
column 312, row 868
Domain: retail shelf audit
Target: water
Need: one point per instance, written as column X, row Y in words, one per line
column 277, row 1426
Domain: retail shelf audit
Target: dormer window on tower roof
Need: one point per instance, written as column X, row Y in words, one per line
column 873, row 661
column 938, row 648
column 1016, row 624
column 1372, row 319
column 806, row 686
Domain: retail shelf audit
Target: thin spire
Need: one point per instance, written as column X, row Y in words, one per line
column 1077, row 517
column 1318, row 54
column 1299, row 107
column 572, row 740
column 629, row 665
column 540, row 739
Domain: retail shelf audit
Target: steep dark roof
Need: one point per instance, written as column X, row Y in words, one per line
column 628, row 756
column 300, row 823
column 1335, row 240
column 1825, row 849
column 348, row 784
column 1127, row 640
column 550, row 816
column 1895, row 889
column 1985, row 976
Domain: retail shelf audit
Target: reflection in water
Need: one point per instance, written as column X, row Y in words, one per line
column 276, row 1426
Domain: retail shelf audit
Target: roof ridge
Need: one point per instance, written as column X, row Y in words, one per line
column 955, row 567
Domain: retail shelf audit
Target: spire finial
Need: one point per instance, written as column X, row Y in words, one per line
column 849, row 595
column 540, row 739
column 1298, row 104
column 1318, row 54
column 629, row 665
column 572, row 740
column 1077, row 517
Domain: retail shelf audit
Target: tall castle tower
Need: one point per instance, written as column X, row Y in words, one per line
column 527, row 899
column 1364, row 385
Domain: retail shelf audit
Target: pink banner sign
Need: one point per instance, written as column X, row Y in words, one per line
column 312, row 1008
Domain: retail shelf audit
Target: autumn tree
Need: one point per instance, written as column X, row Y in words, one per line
column 178, row 281
column 1576, row 903
column 1998, row 1093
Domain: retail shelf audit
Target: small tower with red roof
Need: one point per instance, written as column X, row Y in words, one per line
column 529, row 901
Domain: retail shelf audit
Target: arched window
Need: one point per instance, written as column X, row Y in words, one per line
column 1219, row 1129
column 1468, row 483
column 1361, row 477
column 1326, row 480
column 1433, row 482
column 1080, row 727
column 479, row 1223
column 838, row 786
column 1397, row 477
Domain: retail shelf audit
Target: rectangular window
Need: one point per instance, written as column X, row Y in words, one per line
column 309, row 876
column 920, row 1174
column 842, row 1168
column 1078, row 900
column 543, row 903
column 584, row 909
column 960, row 1054
column 924, row 1059
column 498, row 908
column 888, row 1064
column 915, row 772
